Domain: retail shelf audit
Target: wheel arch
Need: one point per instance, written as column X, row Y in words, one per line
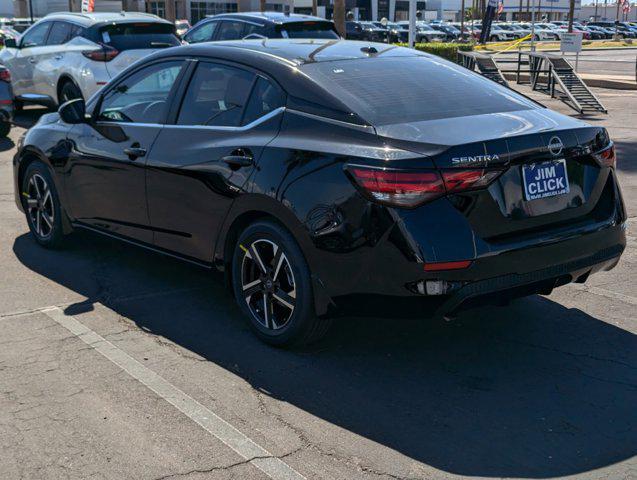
column 254, row 207
column 25, row 158
column 65, row 77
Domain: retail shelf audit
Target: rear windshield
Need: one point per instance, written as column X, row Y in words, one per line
column 395, row 90
column 308, row 30
column 128, row 36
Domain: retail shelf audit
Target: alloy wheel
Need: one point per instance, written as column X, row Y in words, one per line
column 268, row 283
column 39, row 203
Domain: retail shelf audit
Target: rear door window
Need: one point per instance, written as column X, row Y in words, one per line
column 265, row 98
column 230, row 30
column 256, row 31
column 62, row 32
column 216, row 96
column 138, row 35
column 308, row 30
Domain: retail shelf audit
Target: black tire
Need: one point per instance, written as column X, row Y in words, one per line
column 48, row 212
column 69, row 91
column 493, row 39
column 5, row 128
column 291, row 274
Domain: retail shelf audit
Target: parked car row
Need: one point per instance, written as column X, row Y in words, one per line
column 236, row 26
column 72, row 55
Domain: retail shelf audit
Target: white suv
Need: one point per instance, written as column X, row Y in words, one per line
column 72, row 55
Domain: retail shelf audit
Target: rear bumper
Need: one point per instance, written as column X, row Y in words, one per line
column 496, row 280
column 506, row 287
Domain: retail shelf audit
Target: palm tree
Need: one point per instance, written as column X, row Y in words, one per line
column 571, row 12
column 339, row 16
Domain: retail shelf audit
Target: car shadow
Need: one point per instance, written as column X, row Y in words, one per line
column 626, row 155
column 534, row 390
column 29, row 116
column 6, row 144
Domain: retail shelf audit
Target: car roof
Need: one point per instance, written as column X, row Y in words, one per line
column 89, row 19
column 283, row 60
column 293, row 51
column 272, row 17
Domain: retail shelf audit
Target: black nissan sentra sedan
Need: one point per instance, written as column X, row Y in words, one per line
column 329, row 177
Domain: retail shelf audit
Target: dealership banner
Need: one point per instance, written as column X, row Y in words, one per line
column 88, row 6
column 489, row 14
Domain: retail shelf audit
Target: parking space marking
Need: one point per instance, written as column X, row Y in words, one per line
column 253, row 453
column 602, row 292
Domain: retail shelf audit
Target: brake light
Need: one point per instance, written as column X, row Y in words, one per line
column 607, row 157
column 399, row 188
column 5, row 75
column 404, row 188
column 106, row 54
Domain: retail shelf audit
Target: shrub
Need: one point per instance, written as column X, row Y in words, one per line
column 448, row 51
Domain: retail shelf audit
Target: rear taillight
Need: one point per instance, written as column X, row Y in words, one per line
column 463, row 180
column 607, row 157
column 404, row 188
column 105, row 54
column 5, row 75
column 398, row 187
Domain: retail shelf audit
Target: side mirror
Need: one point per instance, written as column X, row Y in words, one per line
column 10, row 43
column 73, row 111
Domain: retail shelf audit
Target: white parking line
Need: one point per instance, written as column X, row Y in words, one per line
column 258, row 456
column 602, row 292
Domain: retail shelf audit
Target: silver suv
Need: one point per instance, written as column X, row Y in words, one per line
column 72, row 55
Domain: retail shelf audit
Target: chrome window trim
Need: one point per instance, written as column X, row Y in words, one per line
column 124, row 124
column 250, row 22
column 222, row 128
column 254, row 123
column 340, row 123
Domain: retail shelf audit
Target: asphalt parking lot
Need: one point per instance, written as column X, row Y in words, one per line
column 117, row 363
column 608, row 61
column 614, row 62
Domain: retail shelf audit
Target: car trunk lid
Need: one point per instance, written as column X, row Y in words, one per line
column 549, row 175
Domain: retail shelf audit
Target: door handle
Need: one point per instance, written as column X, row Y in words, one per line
column 58, row 57
column 238, row 159
column 32, row 60
column 135, row 151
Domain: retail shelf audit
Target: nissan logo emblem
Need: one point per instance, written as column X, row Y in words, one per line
column 555, row 146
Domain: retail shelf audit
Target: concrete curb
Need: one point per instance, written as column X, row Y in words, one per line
column 612, row 83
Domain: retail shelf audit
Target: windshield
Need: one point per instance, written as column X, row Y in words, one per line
column 128, row 36
column 422, row 89
column 309, row 30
